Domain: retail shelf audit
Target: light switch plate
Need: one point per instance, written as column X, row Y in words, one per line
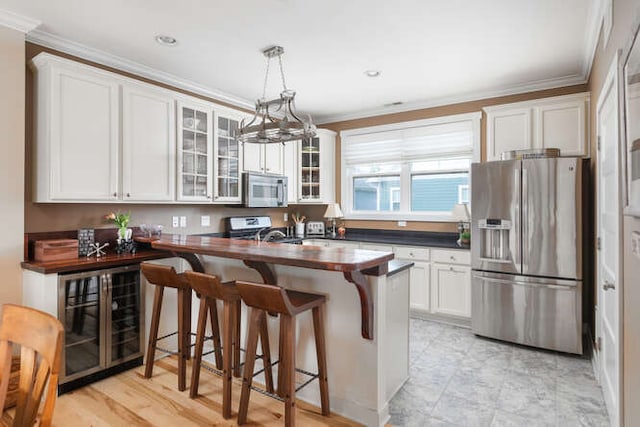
column 635, row 243
column 205, row 220
column 183, row 221
column 175, row 222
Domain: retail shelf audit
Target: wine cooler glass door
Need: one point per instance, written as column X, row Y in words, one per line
column 124, row 316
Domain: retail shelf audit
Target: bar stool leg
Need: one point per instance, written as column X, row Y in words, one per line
column 182, row 351
column 197, row 359
column 153, row 332
column 237, row 307
column 281, row 356
column 215, row 332
column 289, row 370
column 228, row 326
column 266, row 353
column 250, row 359
column 321, row 351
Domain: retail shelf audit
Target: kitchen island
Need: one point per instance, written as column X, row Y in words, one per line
column 367, row 313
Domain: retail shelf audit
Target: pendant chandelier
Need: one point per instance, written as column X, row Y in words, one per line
column 275, row 120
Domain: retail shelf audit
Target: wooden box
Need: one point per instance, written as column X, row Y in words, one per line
column 55, row 250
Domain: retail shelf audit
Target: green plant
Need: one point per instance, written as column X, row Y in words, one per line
column 121, row 220
column 465, row 236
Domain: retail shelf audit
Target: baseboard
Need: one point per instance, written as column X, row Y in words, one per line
column 462, row 322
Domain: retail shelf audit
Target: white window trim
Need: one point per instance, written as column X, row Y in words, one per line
column 347, row 198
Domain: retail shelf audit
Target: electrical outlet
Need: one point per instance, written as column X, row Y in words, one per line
column 402, row 223
column 183, row 221
column 205, row 220
column 285, row 217
column 175, row 222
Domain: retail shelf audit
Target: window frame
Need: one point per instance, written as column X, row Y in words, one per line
column 405, row 212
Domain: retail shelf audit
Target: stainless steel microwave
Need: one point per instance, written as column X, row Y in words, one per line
column 261, row 190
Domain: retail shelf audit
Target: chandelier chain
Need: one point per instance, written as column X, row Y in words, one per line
column 284, row 85
column 266, row 80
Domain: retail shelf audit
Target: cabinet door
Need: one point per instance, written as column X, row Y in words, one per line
column 79, row 310
column 195, row 145
column 376, row 247
column 291, row 169
column 227, row 160
column 563, row 126
column 125, row 317
column 273, row 159
column 148, row 144
column 252, row 157
column 451, row 290
column 81, row 147
column 420, row 286
column 310, row 170
column 508, row 130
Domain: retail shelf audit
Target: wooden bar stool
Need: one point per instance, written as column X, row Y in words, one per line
column 211, row 289
column 164, row 276
column 264, row 298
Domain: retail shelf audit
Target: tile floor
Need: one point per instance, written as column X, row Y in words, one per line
column 458, row 379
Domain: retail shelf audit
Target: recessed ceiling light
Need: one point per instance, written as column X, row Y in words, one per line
column 166, row 40
column 372, row 73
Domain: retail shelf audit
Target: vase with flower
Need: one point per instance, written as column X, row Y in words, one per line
column 124, row 240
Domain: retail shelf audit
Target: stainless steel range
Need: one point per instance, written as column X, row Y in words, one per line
column 257, row 228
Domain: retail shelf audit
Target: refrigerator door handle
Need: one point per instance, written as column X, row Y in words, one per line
column 515, row 236
column 524, row 235
column 525, row 283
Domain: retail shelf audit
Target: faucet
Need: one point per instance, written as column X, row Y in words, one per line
column 273, row 233
column 257, row 236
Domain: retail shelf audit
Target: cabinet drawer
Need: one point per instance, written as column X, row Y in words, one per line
column 374, row 247
column 412, row 253
column 451, row 257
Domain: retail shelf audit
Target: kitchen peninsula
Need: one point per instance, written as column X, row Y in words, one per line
column 367, row 348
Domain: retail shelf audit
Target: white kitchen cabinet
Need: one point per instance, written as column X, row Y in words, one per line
column 148, row 144
column 264, row 158
column 419, row 276
column 228, row 157
column 450, row 286
column 77, row 147
column 376, row 247
column 290, row 155
column 558, row 122
column 316, row 167
column 195, row 148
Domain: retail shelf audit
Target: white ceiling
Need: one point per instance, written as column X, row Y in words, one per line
column 430, row 52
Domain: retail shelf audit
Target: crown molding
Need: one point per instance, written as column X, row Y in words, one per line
column 91, row 54
column 592, row 33
column 17, row 22
column 574, row 79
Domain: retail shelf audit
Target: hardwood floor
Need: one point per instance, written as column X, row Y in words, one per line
column 129, row 399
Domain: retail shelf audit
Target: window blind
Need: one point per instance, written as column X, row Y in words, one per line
column 413, row 143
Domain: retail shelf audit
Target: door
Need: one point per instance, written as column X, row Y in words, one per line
column 552, row 217
column 495, row 221
column 508, row 130
column 227, row 160
column 450, row 290
column 195, row 146
column 291, row 169
column 148, row 144
column 608, row 216
column 124, row 315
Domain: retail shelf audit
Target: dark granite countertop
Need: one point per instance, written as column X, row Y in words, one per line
column 399, row 237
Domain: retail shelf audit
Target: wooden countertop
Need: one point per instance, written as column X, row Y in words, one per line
column 93, row 263
column 307, row 256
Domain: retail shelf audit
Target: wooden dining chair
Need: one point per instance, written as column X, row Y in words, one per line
column 40, row 338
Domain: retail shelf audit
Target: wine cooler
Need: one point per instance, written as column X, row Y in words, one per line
column 103, row 316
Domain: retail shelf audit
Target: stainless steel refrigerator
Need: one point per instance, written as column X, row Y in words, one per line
column 527, row 248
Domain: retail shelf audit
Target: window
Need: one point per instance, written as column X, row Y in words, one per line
column 414, row 170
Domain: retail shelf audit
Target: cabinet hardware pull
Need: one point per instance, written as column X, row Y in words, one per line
column 128, row 194
column 115, row 194
column 608, row 285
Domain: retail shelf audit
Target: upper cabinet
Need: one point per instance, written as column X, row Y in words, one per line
column 558, row 122
column 316, row 168
column 195, row 148
column 228, row 158
column 263, row 158
column 148, row 144
column 77, row 146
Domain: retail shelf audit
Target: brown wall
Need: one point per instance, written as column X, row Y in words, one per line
column 626, row 18
column 59, row 216
column 427, row 113
column 11, row 163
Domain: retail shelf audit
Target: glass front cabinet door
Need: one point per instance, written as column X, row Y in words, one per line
column 227, row 161
column 317, row 168
column 195, row 145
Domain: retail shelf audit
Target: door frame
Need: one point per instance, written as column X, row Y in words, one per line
column 611, row 84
